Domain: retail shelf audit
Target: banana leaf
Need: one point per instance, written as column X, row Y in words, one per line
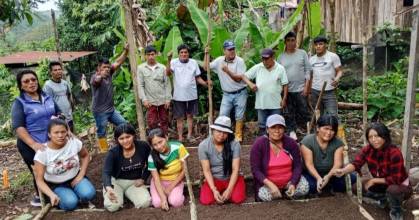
column 173, row 40
column 200, row 19
column 315, row 19
column 219, row 35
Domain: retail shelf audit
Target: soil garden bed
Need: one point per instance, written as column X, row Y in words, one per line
column 338, row 206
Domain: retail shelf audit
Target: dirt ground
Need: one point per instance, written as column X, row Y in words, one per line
column 337, row 206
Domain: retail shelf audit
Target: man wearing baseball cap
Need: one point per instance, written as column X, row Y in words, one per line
column 271, row 80
column 234, row 92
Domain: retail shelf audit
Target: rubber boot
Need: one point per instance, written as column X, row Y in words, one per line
column 103, row 145
column 239, row 131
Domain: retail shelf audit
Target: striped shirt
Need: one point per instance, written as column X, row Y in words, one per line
column 172, row 160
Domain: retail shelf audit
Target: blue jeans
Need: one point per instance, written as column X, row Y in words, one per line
column 83, row 191
column 263, row 114
column 102, row 121
column 236, row 100
column 337, row 184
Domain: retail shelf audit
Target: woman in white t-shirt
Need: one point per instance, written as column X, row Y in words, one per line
column 60, row 168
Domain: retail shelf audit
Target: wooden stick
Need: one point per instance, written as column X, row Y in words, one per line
column 364, row 76
column 210, row 103
column 129, row 33
column 342, row 136
column 313, row 117
column 193, row 210
column 57, row 40
column 359, row 188
column 44, row 211
column 349, row 106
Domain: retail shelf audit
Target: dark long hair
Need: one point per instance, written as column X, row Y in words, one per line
column 228, row 155
column 382, row 132
column 125, row 128
column 329, row 120
column 158, row 161
column 19, row 77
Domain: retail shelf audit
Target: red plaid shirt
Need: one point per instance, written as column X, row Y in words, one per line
column 385, row 163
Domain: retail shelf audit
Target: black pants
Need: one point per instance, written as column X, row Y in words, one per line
column 297, row 110
column 27, row 154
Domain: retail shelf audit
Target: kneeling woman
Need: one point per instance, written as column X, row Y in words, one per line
column 219, row 155
column 60, row 168
column 167, row 169
column 390, row 181
column 276, row 163
column 125, row 170
column 323, row 154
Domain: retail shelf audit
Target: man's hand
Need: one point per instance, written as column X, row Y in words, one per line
column 167, row 105
column 146, row 104
column 225, row 69
column 253, row 87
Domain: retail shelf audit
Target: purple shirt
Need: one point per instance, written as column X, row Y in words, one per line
column 260, row 155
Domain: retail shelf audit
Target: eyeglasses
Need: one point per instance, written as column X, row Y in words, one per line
column 29, row 80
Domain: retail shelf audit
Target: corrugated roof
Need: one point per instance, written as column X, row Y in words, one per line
column 37, row 56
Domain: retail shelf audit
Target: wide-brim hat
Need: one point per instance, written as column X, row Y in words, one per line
column 222, row 123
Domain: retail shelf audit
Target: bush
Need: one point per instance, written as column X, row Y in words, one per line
column 386, row 95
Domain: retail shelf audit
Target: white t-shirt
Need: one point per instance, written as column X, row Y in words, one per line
column 60, row 165
column 237, row 66
column 184, row 82
column 324, row 70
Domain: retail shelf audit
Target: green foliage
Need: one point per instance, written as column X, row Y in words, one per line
column 393, row 37
column 43, row 72
column 315, row 19
column 15, row 11
column 8, row 91
column 173, row 40
column 82, row 118
column 386, row 95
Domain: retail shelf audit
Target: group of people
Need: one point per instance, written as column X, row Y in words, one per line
column 280, row 166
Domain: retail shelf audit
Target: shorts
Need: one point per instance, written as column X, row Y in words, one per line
column 182, row 108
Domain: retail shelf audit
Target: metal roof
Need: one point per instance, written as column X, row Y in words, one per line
column 37, row 56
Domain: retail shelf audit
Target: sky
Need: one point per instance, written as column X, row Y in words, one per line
column 48, row 5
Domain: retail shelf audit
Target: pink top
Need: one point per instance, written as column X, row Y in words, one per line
column 279, row 168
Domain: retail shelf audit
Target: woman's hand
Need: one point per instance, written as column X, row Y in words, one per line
column 168, row 190
column 274, row 191
column 138, row 182
column 164, row 204
column 76, row 180
column 111, row 194
column 217, row 196
column 339, row 172
column 369, row 183
column 226, row 194
column 325, row 180
column 290, row 191
column 54, row 199
column 319, row 184
column 37, row 146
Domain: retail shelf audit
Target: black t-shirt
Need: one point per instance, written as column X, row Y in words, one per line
column 132, row 168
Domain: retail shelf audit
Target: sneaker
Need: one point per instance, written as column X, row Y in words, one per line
column 293, row 135
column 36, row 201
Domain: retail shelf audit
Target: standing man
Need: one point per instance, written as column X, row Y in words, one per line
column 326, row 68
column 234, row 93
column 271, row 81
column 102, row 92
column 186, row 74
column 60, row 91
column 298, row 68
column 155, row 90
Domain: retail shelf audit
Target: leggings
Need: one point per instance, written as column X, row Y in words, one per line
column 27, row 154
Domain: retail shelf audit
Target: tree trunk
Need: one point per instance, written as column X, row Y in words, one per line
column 364, row 74
column 129, row 32
column 300, row 35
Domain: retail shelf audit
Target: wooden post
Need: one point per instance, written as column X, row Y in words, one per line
column 192, row 207
column 364, row 74
column 300, row 35
column 342, row 136
column 210, row 103
column 129, row 33
column 359, row 188
column 57, row 41
column 412, row 79
column 332, row 44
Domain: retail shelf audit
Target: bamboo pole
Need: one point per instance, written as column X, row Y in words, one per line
column 193, row 210
column 57, row 39
column 207, row 64
column 342, row 136
column 44, row 211
column 129, row 33
column 364, row 77
column 359, row 188
column 316, row 109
